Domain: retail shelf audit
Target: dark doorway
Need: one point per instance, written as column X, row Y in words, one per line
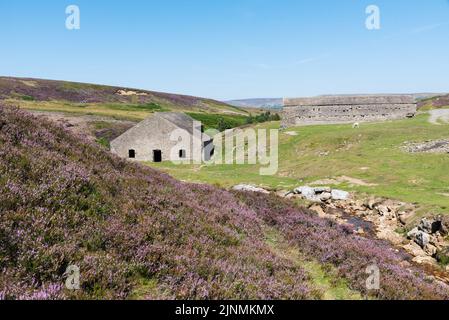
column 132, row 154
column 157, row 156
column 182, row 154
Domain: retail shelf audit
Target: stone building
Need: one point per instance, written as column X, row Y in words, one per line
column 150, row 140
column 346, row 109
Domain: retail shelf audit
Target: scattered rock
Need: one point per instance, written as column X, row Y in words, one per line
column 437, row 146
column 340, row 195
column 444, row 225
column 307, row 192
column 403, row 217
column 431, row 250
column 321, row 194
column 322, row 190
column 413, row 233
column 318, row 209
column 249, row 188
column 430, row 225
column 383, row 210
column 326, row 196
column 386, row 216
column 422, row 239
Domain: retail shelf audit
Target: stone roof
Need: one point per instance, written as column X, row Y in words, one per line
column 350, row 100
column 181, row 120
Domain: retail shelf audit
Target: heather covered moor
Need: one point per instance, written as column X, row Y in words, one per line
column 136, row 232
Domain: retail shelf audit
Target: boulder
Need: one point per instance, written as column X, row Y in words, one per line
column 249, row 188
column 339, row 195
column 430, row 249
column 444, row 225
column 322, row 190
column 307, row 193
column 319, row 210
column 431, row 225
column 383, row 210
column 413, row 233
column 422, row 239
column 403, row 217
column 371, row 204
column 326, row 196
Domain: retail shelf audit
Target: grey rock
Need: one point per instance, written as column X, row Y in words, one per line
column 326, row 196
column 322, row 190
column 306, row 192
column 430, row 225
column 340, row 195
column 249, row 188
column 413, row 233
column 383, row 210
column 422, row 239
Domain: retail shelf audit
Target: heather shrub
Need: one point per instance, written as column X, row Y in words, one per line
column 351, row 254
column 64, row 201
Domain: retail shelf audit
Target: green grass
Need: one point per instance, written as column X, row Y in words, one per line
column 323, row 280
column 212, row 121
column 151, row 107
column 372, row 153
column 130, row 111
column 144, row 289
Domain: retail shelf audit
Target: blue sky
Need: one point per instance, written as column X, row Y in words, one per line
column 228, row 49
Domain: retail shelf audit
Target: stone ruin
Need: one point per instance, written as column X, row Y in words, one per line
column 346, row 109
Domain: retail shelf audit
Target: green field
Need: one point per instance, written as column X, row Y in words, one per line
column 371, row 154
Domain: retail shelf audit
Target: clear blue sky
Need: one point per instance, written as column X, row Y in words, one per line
column 227, row 49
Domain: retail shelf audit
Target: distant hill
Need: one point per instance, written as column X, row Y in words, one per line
column 83, row 98
column 278, row 103
column 435, row 102
column 261, row 103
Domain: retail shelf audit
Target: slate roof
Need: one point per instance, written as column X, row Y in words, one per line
column 181, row 120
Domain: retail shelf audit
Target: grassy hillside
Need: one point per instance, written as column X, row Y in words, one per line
column 371, row 155
column 90, row 99
column 434, row 103
column 137, row 233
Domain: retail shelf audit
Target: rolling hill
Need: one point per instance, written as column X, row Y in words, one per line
column 136, row 233
column 440, row 101
column 261, row 103
column 92, row 99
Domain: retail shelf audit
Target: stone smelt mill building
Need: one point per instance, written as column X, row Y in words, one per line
column 346, row 109
column 150, row 140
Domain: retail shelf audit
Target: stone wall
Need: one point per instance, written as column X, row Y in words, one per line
column 346, row 109
column 147, row 136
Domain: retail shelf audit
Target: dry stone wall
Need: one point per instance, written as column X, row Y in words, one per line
column 346, row 109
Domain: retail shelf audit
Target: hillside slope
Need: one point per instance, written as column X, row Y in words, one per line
column 137, row 233
column 273, row 103
column 83, row 98
column 441, row 101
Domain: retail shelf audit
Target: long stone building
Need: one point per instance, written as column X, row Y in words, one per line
column 150, row 140
column 346, row 109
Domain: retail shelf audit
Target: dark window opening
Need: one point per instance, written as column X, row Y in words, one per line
column 132, row 154
column 182, row 154
column 157, row 156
